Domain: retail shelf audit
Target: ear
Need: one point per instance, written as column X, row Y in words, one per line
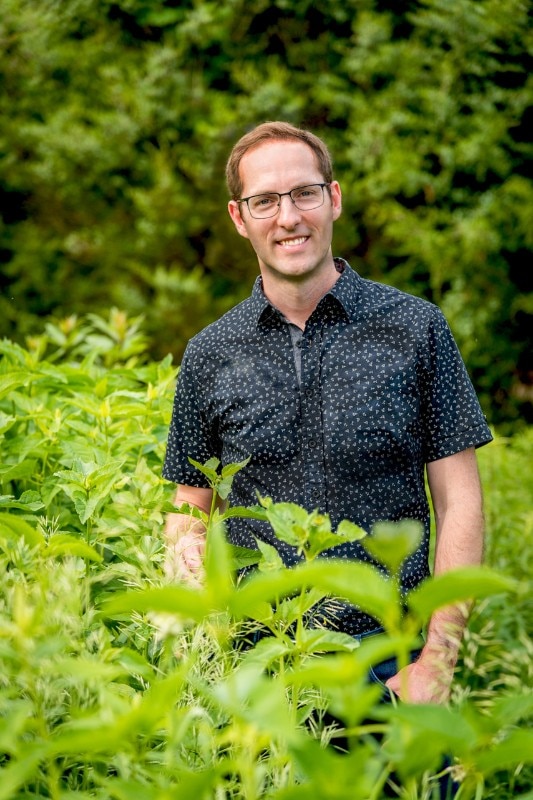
column 336, row 199
column 235, row 214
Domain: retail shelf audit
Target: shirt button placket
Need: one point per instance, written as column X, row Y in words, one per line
column 312, row 430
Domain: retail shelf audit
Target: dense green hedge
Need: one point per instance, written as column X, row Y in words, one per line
column 117, row 118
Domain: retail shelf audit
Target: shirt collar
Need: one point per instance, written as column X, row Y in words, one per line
column 346, row 294
column 347, row 290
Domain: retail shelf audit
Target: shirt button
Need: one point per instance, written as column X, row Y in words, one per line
column 312, row 443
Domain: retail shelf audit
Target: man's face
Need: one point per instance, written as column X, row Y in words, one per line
column 293, row 245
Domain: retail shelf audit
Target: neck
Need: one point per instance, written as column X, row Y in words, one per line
column 298, row 299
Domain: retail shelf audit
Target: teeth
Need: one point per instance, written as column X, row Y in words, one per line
column 293, row 242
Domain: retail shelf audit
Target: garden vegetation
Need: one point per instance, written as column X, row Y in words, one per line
column 116, row 119
column 118, row 684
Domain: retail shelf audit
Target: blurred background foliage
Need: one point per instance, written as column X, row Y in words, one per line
column 116, row 119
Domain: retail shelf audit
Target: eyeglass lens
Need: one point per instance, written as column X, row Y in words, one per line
column 304, row 197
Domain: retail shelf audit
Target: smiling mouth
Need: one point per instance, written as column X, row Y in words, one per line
column 293, row 242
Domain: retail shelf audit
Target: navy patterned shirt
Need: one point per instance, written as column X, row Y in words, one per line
column 377, row 390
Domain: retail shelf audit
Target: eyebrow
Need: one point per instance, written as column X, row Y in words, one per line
column 276, row 191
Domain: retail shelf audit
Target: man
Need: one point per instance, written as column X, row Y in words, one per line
column 340, row 389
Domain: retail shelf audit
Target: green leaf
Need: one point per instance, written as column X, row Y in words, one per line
column 350, row 532
column 267, row 651
column 392, row 542
column 455, row 586
column 13, row 380
column 64, row 544
column 319, row 640
column 189, row 603
column 223, row 487
column 6, row 422
column 253, row 512
column 209, row 469
column 13, row 528
column 269, row 557
column 217, row 565
column 342, row 669
column 16, row 773
column 28, row 501
column 422, row 734
column 22, row 470
column 85, row 670
column 248, row 695
column 13, row 724
column 515, row 749
column 510, row 709
column 358, row 583
column 241, row 557
column 289, row 522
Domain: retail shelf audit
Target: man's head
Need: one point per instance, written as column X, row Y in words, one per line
column 275, row 131
column 285, row 203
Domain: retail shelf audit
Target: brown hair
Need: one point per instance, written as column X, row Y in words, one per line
column 270, row 131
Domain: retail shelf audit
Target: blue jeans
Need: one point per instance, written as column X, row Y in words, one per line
column 379, row 674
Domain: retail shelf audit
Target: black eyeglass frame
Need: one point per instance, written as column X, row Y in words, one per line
column 284, row 194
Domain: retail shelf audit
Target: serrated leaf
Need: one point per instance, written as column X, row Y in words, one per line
column 253, row 512
column 266, row 651
column 209, row 469
column 241, row 557
column 28, row 501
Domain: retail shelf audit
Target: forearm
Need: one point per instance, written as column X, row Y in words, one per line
column 459, row 543
column 456, row 493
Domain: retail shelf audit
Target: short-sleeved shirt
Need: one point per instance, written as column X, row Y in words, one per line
column 378, row 390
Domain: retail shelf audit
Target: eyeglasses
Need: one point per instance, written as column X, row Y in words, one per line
column 262, row 206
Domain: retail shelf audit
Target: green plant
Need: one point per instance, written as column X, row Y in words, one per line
column 116, row 684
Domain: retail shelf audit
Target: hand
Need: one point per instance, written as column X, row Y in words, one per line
column 427, row 680
column 185, row 559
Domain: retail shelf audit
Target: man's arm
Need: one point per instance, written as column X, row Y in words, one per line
column 457, row 501
column 185, row 537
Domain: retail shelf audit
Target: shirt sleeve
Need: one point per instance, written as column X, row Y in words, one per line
column 452, row 416
column 189, row 433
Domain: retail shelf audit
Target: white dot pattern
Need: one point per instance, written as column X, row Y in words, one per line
column 382, row 391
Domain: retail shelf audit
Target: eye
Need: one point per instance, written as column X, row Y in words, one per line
column 264, row 200
column 306, row 192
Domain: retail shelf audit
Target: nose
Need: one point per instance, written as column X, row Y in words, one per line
column 288, row 214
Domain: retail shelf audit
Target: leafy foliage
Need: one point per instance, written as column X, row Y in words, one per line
column 118, row 115
column 116, row 684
